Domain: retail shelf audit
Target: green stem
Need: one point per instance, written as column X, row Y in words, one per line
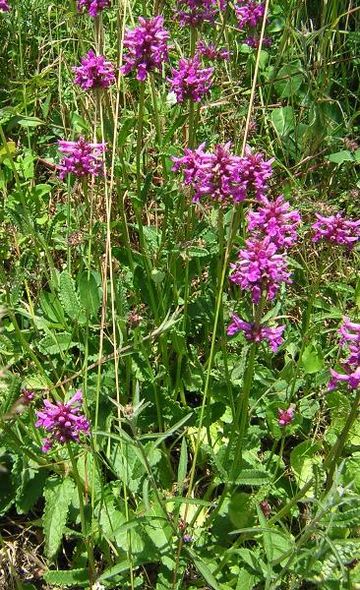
column 80, row 489
column 139, row 143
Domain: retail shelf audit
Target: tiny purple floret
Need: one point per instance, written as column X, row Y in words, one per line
column 285, row 417
column 93, row 7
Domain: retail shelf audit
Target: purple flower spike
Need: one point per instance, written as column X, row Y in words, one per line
column 190, row 80
column 285, row 417
column 254, row 333
column 4, row 6
column 336, row 230
column 254, row 172
column 211, row 52
column 146, row 47
column 275, row 219
column 195, row 12
column 260, row 269
column 349, row 339
column 94, row 7
column 95, row 72
column 27, row 396
column 63, row 422
column 81, row 158
column 249, row 13
column 212, row 175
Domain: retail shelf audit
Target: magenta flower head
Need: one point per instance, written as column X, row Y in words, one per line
column 260, row 269
column 275, row 219
column 63, row 421
column 336, row 230
column 257, row 333
column 211, row 52
column 213, row 175
column 249, row 13
column 190, row 81
column 350, row 341
column 146, row 47
column 255, row 172
column 285, row 417
column 194, row 12
column 81, row 158
column 27, row 396
column 4, row 6
column 94, row 7
column 95, row 72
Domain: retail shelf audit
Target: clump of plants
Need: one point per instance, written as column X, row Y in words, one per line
column 180, row 337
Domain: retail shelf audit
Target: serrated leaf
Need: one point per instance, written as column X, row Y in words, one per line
column 58, row 494
column 56, row 343
column 65, row 578
column 69, row 297
column 252, row 477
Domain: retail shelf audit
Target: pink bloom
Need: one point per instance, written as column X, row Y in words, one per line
column 249, row 13
column 190, row 81
column 146, row 47
column 213, row 175
column 94, row 7
column 210, row 51
column 81, row 158
column 194, row 12
column 275, row 219
column 27, row 396
column 95, row 72
column 336, row 230
column 63, row 422
column 4, row 6
column 350, row 365
column 254, row 333
column 260, row 269
column 255, row 42
column 254, row 172
column 285, row 417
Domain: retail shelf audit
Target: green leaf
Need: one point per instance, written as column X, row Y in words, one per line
column 205, row 571
column 252, row 477
column 58, row 494
column 283, row 119
column 182, row 468
column 110, row 572
column 64, row 578
column 302, row 459
column 89, row 293
column 289, row 80
column 30, row 122
column 56, row 343
column 340, row 157
column 69, row 298
column 312, row 359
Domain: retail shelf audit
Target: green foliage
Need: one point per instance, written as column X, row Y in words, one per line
column 58, row 495
column 118, row 285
